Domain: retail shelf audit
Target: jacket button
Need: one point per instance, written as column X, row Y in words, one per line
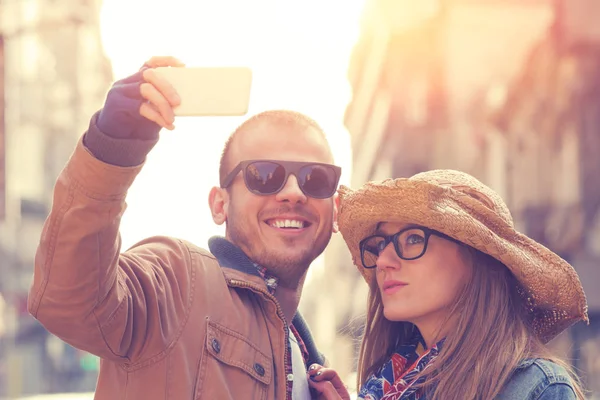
column 259, row 369
column 216, row 346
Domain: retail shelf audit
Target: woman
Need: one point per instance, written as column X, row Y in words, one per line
column 461, row 305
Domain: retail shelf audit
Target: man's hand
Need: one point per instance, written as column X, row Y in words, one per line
column 160, row 96
column 327, row 383
column 138, row 106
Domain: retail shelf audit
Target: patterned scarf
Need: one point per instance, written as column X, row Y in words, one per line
column 396, row 379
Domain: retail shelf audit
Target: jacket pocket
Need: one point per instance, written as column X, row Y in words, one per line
column 232, row 367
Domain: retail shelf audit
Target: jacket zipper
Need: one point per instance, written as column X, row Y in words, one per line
column 237, row 283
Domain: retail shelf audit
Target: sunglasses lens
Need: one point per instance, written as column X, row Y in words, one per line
column 318, row 181
column 264, row 177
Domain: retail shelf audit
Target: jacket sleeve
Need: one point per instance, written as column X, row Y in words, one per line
column 558, row 391
column 121, row 307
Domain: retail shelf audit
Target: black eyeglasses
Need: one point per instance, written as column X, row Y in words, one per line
column 409, row 243
column 266, row 177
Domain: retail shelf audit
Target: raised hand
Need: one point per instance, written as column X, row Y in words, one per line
column 139, row 106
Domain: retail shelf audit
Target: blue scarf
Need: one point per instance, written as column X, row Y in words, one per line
column 396, row 379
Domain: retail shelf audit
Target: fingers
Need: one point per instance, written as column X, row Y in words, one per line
column 163, row 86
column 148, row 111
column 314, row 369
column 327, row 382
column 153, row 97
column 163, row 61
column 159, row 95
column 326, row 390
column 319, row 373
column 162, row 98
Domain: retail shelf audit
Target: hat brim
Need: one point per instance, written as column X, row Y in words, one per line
column 554, row 293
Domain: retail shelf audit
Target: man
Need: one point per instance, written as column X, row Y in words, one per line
column 168, row 319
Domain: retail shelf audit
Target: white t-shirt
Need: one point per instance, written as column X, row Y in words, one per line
column 301, row 389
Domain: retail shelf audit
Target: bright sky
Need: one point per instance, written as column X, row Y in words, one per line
column 299, row 54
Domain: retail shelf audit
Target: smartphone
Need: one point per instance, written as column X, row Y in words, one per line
column 208, row 91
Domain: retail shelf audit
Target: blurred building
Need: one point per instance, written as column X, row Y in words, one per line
column 507, row 90
column 53, row 76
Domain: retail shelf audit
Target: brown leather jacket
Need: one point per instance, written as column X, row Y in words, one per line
column 168, row 319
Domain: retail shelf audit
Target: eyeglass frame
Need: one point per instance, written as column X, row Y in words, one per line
column 290, row 167
column 427, row 232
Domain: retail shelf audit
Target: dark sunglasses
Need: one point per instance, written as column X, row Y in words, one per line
column 409, row 243
column 266, row 177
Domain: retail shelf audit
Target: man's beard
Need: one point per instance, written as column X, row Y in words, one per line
column 288, row 268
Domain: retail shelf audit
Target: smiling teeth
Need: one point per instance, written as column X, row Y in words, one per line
column 287, row 223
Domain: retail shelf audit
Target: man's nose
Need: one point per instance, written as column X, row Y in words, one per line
column 291, row 192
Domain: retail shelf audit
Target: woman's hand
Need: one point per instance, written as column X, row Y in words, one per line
column 327, row 383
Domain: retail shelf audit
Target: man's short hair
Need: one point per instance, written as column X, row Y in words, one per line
column 279, row 117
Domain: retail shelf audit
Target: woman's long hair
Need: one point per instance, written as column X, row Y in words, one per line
column 490, row 335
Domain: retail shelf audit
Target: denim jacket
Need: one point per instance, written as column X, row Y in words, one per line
column 538, row 379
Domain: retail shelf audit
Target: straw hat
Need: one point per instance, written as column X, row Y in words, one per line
column 463, row 208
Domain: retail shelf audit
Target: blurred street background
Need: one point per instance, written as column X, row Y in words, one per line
column 507, row 90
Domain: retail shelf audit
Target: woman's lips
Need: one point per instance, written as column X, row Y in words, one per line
column 392, row 286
